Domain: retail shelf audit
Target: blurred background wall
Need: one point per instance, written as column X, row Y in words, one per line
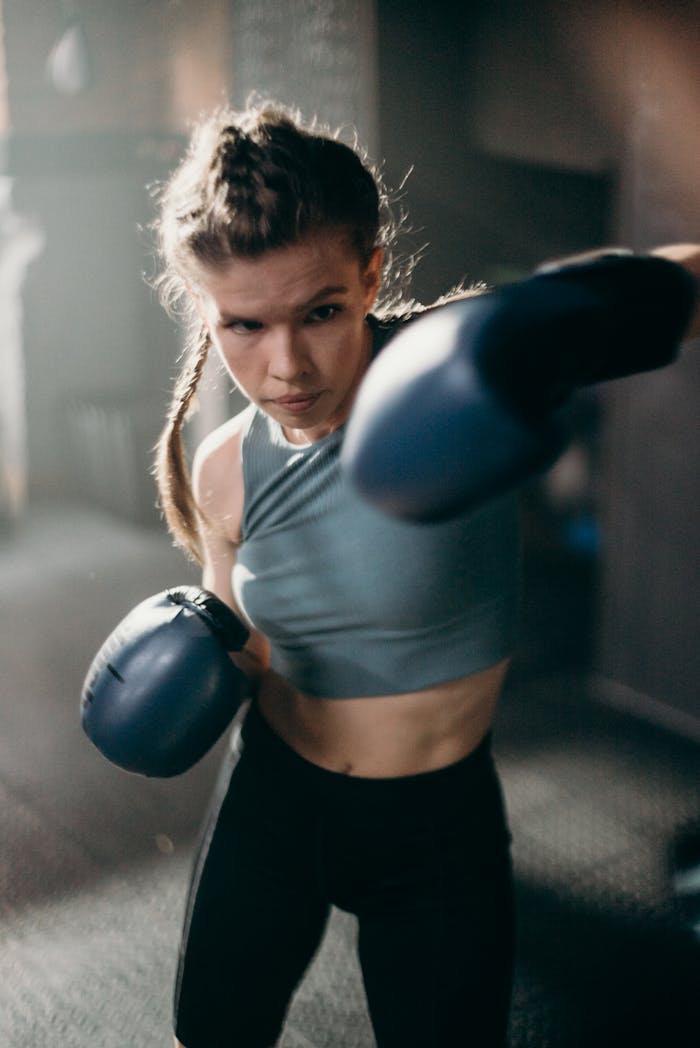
column 530, row 129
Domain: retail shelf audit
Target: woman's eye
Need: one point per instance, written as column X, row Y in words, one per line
column 243, row 327
column 323, row 313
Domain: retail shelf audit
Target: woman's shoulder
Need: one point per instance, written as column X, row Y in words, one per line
column 216, row 469
column 225, row 439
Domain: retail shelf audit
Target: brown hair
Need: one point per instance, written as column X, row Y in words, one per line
column 250, row 181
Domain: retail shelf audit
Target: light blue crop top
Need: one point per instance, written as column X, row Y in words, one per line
column 354, row 603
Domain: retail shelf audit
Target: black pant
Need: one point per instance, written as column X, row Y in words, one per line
column 423, row 861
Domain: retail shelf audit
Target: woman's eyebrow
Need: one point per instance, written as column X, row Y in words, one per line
column 224, row 317
column 331, row 289
column 233, row 318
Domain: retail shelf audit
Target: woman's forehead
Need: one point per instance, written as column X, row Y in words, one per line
column 289, row 276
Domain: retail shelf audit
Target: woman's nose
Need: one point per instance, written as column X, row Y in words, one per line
column 287, row 359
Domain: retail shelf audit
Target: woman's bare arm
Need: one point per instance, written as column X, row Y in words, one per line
column 688, row 256
column 218, row 489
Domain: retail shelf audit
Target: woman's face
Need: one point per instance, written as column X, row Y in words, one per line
column 290, row 328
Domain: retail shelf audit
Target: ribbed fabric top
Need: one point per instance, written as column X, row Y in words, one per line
column 355, row 603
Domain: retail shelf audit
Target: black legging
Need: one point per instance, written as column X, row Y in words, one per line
column 423, row 861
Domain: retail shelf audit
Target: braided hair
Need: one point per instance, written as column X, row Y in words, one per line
column 250, row 182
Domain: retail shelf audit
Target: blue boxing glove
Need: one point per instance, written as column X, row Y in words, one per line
column 461, row 404
column 162, row 688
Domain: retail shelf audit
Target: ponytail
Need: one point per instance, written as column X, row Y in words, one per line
column 177, row 500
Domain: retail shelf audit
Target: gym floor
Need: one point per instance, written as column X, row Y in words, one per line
column 94, row 863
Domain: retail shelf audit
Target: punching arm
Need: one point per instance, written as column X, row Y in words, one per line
column 461, row 405
column 583, row 321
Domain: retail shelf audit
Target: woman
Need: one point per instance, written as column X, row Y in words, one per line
column 362, row 776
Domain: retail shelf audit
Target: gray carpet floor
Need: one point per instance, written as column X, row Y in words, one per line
column 94, row 863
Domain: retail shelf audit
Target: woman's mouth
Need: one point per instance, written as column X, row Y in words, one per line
column 297, row 403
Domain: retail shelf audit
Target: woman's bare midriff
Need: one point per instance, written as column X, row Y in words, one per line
column 389, row 735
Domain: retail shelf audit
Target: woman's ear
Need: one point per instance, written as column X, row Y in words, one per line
column 372, row 277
